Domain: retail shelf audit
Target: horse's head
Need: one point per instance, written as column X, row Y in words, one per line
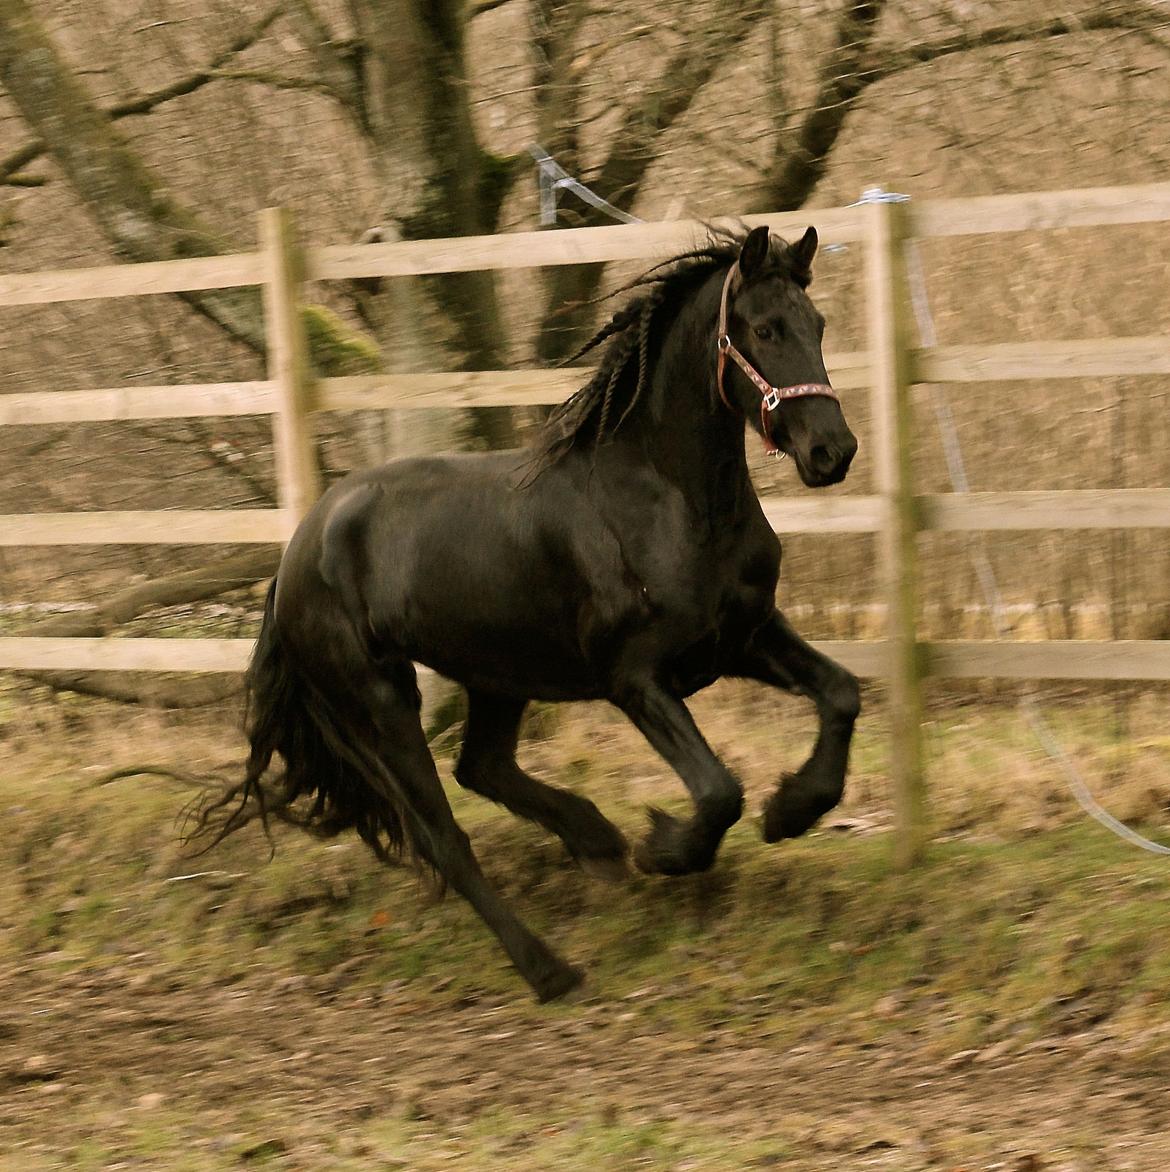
column 771, row 332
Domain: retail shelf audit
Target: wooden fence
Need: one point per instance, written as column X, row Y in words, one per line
column 889, row 367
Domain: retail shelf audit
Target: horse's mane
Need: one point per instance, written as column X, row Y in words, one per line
column 588, row 412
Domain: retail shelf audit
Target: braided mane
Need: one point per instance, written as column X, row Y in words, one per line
column 627, row 358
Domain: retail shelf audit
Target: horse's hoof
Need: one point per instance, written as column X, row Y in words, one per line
column 669, row 848
column 608, row 870
column 558, row 983
column 772, row 824
column 788, row 813
column 657, row 853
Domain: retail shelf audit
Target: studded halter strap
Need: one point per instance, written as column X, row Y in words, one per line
column 770, row 396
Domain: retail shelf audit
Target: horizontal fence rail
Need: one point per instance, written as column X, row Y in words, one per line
column 1064, row 659
column 132, row 280
column 1035, row 211
column 1028, row 212
column 991, row 362
column 1019, row 361
column 160, row 527
column 1072, row 508
column 122, row 403
column 1114, row 508
column 32, row 653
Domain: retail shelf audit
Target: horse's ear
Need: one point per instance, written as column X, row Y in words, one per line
column 802, row 253
column 754, row 252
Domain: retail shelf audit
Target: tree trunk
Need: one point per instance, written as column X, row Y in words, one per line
column 449, row 185
column 141, row 219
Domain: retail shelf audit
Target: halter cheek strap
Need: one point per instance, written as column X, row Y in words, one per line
column 770, row 396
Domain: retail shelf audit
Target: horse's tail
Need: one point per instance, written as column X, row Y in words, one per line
column 346, row 786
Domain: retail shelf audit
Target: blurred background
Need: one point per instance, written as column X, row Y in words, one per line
column 166, row 130
column 133, row 131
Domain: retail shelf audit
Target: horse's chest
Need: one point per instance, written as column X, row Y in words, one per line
column 732, row 600
column 742, row 583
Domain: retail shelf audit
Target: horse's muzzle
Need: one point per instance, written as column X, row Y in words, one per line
column 826, row 463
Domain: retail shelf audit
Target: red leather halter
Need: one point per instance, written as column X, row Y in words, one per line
column 770, row 396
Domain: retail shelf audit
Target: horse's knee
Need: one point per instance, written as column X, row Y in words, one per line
column 449, row 852
column 479, row 772
column 843, row 696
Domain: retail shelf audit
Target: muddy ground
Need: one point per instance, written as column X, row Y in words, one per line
column 337, row 1074
column 802, row 1006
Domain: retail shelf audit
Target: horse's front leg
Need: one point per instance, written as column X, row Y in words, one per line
column 777, row 655
column 675, row 846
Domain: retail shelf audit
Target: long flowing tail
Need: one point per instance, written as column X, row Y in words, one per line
column 331, row 780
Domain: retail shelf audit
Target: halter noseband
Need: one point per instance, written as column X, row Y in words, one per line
column 770, row 396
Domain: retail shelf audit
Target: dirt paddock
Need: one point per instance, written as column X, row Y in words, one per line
column 800, row 1006
column 340, row 1073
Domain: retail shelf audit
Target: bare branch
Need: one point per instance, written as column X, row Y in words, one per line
column 485, row 6
column 20, row 158
column 854, row 65
column 340, row 63
column 554, row 26
column 796, row 170
column 145, row 103
column 276, row 81
column 636, row 145
column 129, row 200
column 1129, row 18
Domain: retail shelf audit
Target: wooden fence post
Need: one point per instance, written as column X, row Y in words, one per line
column 888, row 303
column 297, row 480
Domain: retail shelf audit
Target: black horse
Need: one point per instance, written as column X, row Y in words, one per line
column 623, row 557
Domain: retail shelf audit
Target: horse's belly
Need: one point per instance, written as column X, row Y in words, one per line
column 501, row 636
column 534, row 670
column 543, row 681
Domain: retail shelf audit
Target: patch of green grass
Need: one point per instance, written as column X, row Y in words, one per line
column 596, row 1137
column 824, row 924
column 1028, row 929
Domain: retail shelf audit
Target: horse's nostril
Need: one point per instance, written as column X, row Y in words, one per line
column 823, row 459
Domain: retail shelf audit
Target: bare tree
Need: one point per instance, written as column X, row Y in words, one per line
column 140, row 217
column 771, row 90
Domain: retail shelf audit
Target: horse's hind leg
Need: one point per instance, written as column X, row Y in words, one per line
column 487, row 765
column 442, row 841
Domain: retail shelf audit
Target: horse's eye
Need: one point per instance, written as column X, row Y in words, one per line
column 764, row 332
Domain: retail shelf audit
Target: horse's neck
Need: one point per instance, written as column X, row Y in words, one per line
column 693, row 438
